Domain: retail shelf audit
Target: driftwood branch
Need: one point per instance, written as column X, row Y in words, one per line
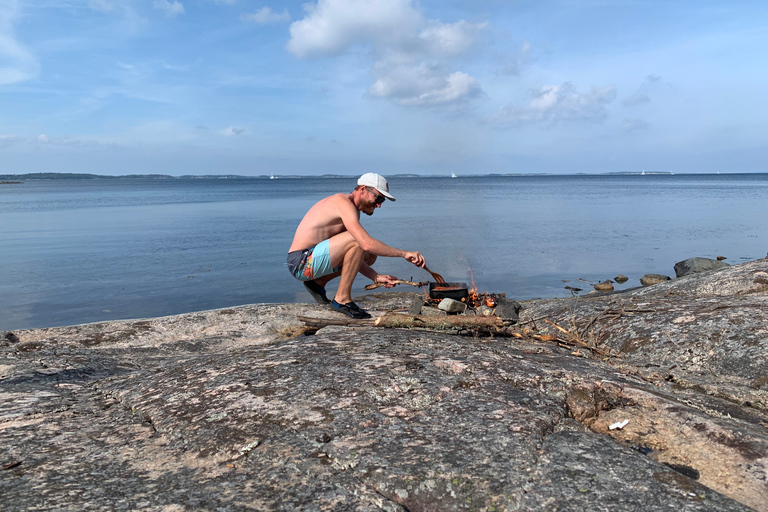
column 479, row 323
column 373, row 286
column 440, row 322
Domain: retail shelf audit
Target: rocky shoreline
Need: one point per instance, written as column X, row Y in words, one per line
column 665, row 405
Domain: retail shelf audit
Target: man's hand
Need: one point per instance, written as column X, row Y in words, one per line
column 415, row 257
column 386, row 280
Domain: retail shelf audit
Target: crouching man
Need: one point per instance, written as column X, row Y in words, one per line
column 330, row 242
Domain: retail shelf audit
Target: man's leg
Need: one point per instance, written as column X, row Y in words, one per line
column 345, row 251
column 368, row 258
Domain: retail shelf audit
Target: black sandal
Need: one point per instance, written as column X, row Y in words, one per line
column 350, row 309
column 317, row 292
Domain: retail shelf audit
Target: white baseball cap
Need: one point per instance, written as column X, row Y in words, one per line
column 377, row 181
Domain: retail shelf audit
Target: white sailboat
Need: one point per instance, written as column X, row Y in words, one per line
column 272, row 176
column 453, row 175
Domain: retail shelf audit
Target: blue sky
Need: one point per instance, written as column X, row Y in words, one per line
column 391, row 86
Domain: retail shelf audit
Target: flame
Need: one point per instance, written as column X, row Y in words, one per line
column 475, row 298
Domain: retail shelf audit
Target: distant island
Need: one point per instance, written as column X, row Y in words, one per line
column 641, row 173
column 15, row 178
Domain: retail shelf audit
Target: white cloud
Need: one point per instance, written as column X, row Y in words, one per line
column 424, row 85
column 332, row 26
column 412, row 54
column 17, row 64
column 64, row 140
column 450, row 38
column 265, row 15
column 233, row 130
column 556, row 103
column 9, row 140
column 170, row 8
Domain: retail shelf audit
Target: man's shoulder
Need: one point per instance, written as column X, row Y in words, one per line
column 340, row 200
column 335, row 205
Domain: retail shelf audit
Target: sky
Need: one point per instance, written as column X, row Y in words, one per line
column 390, row 86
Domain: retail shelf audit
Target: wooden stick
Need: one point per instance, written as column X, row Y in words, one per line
column 486, row 324
column 558, row 327
column 373, row 286
column 440, row 322
column 410, row 321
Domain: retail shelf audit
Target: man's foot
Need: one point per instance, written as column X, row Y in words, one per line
column 317, row 292
column 350, row 309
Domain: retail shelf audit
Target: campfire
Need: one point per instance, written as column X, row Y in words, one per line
column 474, row 300
column 463, row 299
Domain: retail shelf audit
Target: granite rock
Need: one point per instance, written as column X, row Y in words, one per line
column 694, row 265
column 507, row 309
column 452, row 306
column 248, row 409
column 651, row 279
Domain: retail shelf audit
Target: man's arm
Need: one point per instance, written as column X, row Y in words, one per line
column 350, row 217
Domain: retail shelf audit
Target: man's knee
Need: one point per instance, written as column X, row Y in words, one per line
column 355, row 248
column 369, row 258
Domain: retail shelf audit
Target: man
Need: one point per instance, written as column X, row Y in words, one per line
column 330, row 242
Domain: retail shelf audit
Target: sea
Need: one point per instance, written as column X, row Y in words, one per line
column 80, row 251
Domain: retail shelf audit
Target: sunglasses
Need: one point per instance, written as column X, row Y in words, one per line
column 379, row 198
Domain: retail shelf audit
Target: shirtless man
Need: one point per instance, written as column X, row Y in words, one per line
column 330, row 242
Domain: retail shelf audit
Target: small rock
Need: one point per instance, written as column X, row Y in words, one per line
column 649, row 279
column 720, row 258
column 605, row 286
column 432, row 311
column 508, row 309
column 9, row 336
column 695, row 265
column 416, row 305
column 452, row 306
column 621, row 278
column 483, row 311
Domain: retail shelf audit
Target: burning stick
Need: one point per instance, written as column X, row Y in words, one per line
column 373, row 286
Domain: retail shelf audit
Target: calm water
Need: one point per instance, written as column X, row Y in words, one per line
column 83, row 251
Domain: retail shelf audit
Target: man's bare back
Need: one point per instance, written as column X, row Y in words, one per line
column 321, row 222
